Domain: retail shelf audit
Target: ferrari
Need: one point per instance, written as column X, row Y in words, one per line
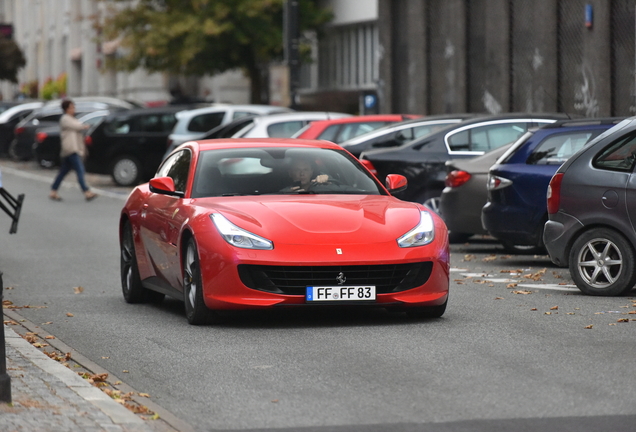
column 264, row 223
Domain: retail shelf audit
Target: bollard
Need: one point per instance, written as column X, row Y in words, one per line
column 5, row 379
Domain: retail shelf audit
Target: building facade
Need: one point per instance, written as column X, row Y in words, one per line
column 59, row 38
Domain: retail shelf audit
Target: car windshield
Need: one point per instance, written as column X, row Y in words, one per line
column 281, row 170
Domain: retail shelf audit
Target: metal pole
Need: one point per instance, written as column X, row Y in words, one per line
column 5, row 379
column 292, row 41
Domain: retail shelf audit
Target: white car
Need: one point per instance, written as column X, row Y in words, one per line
column 193, row 124
column 283, row 125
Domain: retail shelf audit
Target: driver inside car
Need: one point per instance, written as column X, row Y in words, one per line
column 302, row 173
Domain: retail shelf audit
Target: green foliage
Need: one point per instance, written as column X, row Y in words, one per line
column 11, row 60
column 197, row 37
column 53, row 89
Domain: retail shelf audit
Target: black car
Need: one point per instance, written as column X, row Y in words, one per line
column 9, row 118
column 396, row 134
column 46, row 148
column 21, row 147
column 423, row 161
column 130, row 145
column 591, row 204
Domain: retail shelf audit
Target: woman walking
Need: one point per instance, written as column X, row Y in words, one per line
column 72, row 151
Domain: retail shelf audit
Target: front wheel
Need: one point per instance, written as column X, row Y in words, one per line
column 131, row 286
column 602, row 263
column 195, row 309
column 126, row 171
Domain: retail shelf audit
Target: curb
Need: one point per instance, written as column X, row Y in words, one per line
column 100, row 399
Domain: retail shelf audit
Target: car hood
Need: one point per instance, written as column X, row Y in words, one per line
column 319, row 219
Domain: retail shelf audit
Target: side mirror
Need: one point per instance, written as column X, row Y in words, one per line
column 165, row 186
column 395, row 183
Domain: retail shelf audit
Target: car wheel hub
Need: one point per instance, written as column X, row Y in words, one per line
column 125, row 171
column 600, row 263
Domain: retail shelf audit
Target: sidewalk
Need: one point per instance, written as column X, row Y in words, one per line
column 47, row 396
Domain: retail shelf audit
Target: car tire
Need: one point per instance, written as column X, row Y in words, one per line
column 427, row 312
column 602, row 263
column 131, row 286
column 195, row 309
column 126, row 170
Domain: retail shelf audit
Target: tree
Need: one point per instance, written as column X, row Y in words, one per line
column 198, row 37
column 11, row 60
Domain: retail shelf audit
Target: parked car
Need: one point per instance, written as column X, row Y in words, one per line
column 591, row 204
column 130, row 145
column 339, row 130
column 465, row 194
column 283, row 125
column 9, row 118
column 397, row 134
column 423, row 160
column 193, row 124
column 21, row 147
column 46, row 148
column 516, row 209
column 230, row 234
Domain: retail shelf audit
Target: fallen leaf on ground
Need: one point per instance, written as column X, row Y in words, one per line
column 68, row 314
column 78, row 290
column 623, row 320
column 523, row 292
column 589, row 327
column 469, row 257
column 489, row 258
column 533, row 309
column 499, row 298
column 554, row 308
column 511, row 285
column 49, row 337
column 548, row 313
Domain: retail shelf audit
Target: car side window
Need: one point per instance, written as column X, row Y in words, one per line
column 205, row 122
column 618, row 156
column 490, row 137
column 120, row 126
column 177, row 166
column 239, row 114
column 557, row 148
column 150, row 123
column 284, row 129
column 51, row 118
column 404, row 135
column 460, row 141
column 329, row 134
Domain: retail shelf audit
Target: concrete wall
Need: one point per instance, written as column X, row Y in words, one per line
column 494, row 56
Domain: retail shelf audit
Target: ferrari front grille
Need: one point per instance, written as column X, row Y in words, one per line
column 293, row 280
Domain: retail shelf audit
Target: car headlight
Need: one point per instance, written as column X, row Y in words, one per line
column 239, row 237
column 421, row 235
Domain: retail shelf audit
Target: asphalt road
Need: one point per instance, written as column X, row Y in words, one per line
column 516, row 350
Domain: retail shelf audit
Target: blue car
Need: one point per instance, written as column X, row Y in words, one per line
column 517, row 183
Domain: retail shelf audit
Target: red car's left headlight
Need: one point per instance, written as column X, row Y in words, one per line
column 421, row 235
column 239, row 237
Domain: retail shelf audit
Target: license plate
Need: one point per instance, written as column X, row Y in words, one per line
column 341, row 293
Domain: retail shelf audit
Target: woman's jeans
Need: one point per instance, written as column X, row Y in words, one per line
column 72, row 162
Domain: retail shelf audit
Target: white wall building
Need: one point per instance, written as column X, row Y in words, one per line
column 58, row 36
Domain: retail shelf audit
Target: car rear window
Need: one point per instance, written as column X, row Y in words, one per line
column 557, row 148
column 618, row 156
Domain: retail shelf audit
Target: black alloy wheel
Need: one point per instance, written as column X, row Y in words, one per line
column 195, row 309
column 131, row 286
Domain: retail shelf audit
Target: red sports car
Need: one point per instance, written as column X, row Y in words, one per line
column 343, row 129
column 246, row 224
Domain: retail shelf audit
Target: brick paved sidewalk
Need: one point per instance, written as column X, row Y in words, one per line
column 47, row 396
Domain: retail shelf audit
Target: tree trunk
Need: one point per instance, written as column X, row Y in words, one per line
column 259, row 85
